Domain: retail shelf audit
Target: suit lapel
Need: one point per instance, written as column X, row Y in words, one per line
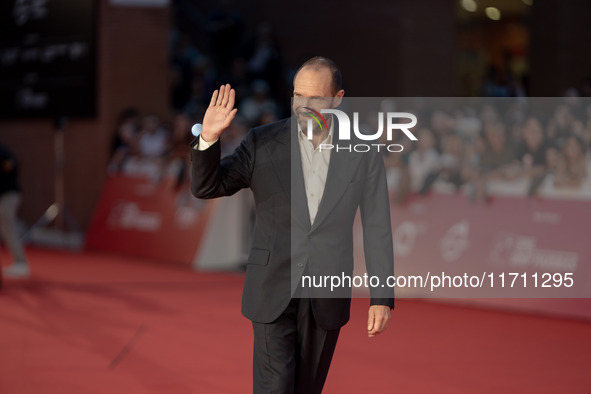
column 287, row 162
column 299, row 200
column 341, row 168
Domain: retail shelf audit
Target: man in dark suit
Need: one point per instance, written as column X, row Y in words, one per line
column 306, row 200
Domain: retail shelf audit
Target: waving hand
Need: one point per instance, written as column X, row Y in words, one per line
column 219, row 114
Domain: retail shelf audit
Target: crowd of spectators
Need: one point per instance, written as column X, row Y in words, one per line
column 222, row 51
column 145, row 144
column 506, row 146
column 495, row 147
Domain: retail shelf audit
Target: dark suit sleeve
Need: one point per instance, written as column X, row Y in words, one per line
column 377, row 232
column 212, row 177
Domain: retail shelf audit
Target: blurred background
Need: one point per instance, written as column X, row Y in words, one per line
column 97, row 100
column 145, row 65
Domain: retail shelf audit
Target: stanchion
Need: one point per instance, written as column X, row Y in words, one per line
column 65, row 232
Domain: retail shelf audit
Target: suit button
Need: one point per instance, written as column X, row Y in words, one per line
column 300, row 265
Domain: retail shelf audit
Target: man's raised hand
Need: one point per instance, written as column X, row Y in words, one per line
column 219, row 114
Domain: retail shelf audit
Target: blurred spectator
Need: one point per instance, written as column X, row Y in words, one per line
column 234, row 135
column 560, row 125
column 496, row 154
column 516, row 86
column 552, row 158
column 179, row 149
column 467, row 124
column 125, row 140
column 226, row 31
column 489, row 114
column 268, row 116
column 571, row 171
column 423, row 162
column 237, row 77
column 153, row 139
column 496, row 158
column 184, row 58
column 397, row 176
column 496, row 83
column 396, row 163
column 196, row 106
column 532, row 153
column 578, row 130
column 264, row 60
column 441, row 124
column 253, row 108
column 10, row 197
column 451, row 162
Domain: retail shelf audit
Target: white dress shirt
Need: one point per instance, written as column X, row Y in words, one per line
column 315, row 168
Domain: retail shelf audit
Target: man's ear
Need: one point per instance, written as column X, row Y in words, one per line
column 338, row 98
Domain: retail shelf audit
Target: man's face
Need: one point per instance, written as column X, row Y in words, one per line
column 312, row 88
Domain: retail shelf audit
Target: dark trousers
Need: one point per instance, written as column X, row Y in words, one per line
column 292, row 354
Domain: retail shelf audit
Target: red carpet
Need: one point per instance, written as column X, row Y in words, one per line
column 90, row 323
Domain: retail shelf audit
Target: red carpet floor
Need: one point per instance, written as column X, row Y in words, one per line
column 92, row 323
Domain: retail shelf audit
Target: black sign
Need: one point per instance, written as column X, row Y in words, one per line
column 47, row 58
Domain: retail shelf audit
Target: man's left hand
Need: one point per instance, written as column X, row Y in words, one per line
column 378, row 320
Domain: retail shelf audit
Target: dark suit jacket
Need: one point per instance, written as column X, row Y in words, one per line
column 285, row 245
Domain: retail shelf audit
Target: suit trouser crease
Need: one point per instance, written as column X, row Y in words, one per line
column 292, row 354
